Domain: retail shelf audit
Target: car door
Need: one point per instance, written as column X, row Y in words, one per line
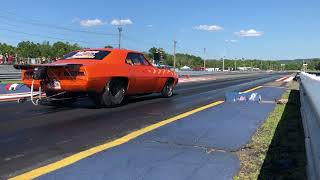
column 143, row 76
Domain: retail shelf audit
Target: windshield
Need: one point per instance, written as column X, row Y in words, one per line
column 87, row 54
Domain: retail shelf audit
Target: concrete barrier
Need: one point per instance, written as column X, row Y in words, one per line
column 310, row 112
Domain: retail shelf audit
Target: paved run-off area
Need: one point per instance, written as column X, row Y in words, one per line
column 199, row 146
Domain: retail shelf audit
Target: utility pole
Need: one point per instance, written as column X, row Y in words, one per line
column 204, row 58
column 120, row 30
column 235, row 64
column 282, row 67
column 305, row 66
column 223, row 63
column 174, row 54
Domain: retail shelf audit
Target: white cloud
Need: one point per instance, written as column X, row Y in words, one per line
column 249, row 33
column 91, row 22
column 121, row 22
column 231, row 40
column 150, row 26
column 210, row 28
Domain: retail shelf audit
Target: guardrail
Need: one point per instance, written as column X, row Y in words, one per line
column 8, row 72
column 310, row 112
column 10, row 76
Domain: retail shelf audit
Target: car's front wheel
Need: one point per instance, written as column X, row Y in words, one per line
column 167, row 90
column 112, row 95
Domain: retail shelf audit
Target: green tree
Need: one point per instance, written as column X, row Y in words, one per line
column 151, row 52
column 28, row 49
column 45, row 49
column 5, row 48
column 60, row 48
column 317, row 66
column 108, row 46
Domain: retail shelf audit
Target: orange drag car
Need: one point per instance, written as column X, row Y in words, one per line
column 106, row 75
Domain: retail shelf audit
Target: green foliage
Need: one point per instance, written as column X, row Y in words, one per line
column 188, row 60
column 181, row 59
column 108, row 46
column 151, row 52
column 60, row 48
column 195, row 61
column 317, row 66
column 5, row 48
column 28, row 49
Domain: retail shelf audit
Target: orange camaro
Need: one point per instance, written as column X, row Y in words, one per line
column 106, row 75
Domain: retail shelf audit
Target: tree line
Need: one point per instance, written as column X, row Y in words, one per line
column 28, row 49
column 193, row 61
column 46, row 50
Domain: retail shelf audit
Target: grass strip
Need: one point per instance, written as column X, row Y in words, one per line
column 277, row 149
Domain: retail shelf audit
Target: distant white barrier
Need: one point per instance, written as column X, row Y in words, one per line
column 202, row 73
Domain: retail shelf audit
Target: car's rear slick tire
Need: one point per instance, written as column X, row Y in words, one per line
column 112, row 95
column 167, row 90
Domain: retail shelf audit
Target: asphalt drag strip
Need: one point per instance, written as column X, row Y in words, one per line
column 199, row 146
column 34, row 136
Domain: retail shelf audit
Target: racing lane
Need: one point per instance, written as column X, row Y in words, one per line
column 33, row 136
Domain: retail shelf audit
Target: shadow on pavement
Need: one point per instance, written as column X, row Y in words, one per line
column 286, row 157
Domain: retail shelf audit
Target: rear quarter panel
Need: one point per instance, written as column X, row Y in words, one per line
column 101, row 72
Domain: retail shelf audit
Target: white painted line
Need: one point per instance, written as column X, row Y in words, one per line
column 185, row 80
column 289, row 79
column 14, row 94
column 4, row 97
column 281, row 79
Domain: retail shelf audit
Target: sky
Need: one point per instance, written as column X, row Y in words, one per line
column 262, row 29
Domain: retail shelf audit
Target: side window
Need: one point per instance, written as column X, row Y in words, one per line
column 133, row 58
column 136, row 59
column 143, row 60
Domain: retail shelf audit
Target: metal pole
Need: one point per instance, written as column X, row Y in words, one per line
column 174, row 54
column 223, row 63
column 120, row 30
column 204, row 58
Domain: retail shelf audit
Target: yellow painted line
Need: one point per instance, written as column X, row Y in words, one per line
column 86, row 153
column 252, row 89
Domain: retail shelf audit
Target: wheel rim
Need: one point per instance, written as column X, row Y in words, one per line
column 170, row 89
column 115, row 89
column 120, row 95
column 117, row 92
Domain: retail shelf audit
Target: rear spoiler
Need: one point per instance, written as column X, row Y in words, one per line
column 32, row 66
